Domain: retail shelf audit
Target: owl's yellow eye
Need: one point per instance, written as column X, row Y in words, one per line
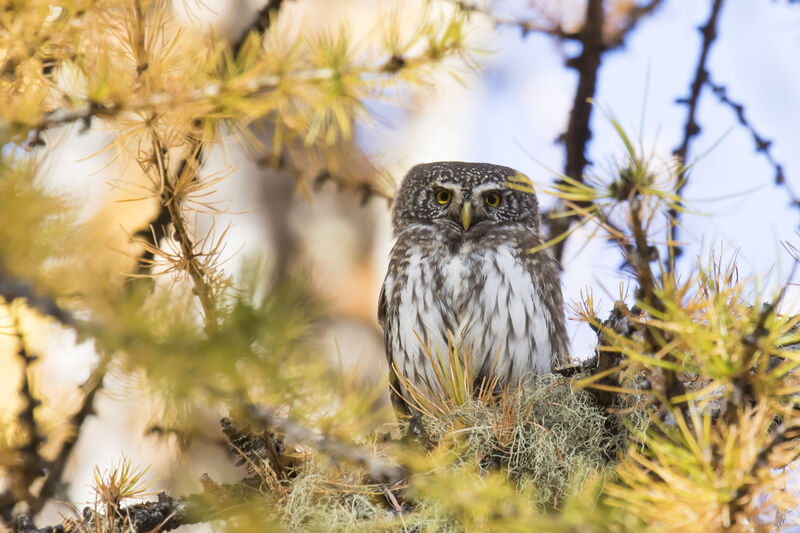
column 443, row 196
column 492, row 199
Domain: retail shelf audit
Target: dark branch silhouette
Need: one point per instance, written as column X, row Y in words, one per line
column 578, row 134
column 34, row 468
column 12, row 289
column 260, row 25
column 30, row 464
column 253, row 444
column 691, row 128
column 762, row 144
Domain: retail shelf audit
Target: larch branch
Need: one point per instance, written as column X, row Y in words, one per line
column 378, row 469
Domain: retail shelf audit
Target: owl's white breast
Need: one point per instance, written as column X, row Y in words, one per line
column 485, row 298
column 513, row 320
column 456, row 271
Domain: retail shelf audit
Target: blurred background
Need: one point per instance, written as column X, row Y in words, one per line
column 510, row 109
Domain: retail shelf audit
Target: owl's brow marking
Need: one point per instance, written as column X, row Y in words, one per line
column 447, row 185
column 486, row 187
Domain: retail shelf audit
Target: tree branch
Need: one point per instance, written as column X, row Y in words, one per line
column 34, row 465
column 763, row 145
column 157, row 227
column 525, row 26
column 164, row 514
column 53, row 483
column 260, row 25
column 635, row 14
column 54, row 470
column 378, row 470
column 12, row 289
column 578, row 133
column 220, row 500
column 691, row 128
column 170, row 201
column 31, row 464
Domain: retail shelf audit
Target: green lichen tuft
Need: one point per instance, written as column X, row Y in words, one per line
column 548, row 437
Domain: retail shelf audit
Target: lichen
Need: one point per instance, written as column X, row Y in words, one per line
column 547, row 436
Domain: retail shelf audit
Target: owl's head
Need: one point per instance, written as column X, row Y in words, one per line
column 464, row 197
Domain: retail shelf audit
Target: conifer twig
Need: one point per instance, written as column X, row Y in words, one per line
column 171, row 202
column 157, row 227
column 157, row 101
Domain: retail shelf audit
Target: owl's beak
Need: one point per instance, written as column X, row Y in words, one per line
column 466, row 214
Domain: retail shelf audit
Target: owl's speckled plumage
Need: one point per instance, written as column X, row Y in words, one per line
column 478, row 282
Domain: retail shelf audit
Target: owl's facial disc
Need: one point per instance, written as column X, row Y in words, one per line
column 471, row 208
column 467, row 207
column 471, row 199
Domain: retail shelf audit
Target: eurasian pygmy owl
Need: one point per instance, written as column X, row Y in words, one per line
column 461, row 265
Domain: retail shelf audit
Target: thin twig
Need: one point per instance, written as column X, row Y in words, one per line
column 54, row 484
column 196, row 270
column 633, row 16
column 163, row 101
column 525, row 26
column 763, row 145
column 690, row 129
column 53, row 470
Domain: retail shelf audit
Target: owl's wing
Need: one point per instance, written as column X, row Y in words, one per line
column 398, row 402
column 543, row 269
column 382, row 309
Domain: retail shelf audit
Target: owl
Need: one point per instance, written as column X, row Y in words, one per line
column 460, row 268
